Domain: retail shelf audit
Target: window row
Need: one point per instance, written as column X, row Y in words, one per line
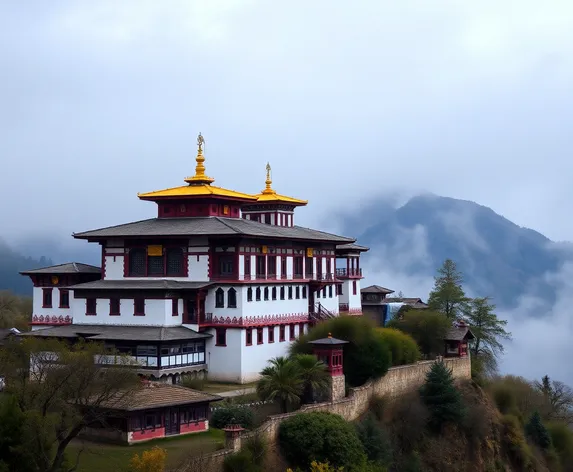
column 260, row 333
column 329, row 292
column 151, row 420
column 277, row 293
column 47, row 298
column 156, row 261
column 231, row 297
column 114, row 306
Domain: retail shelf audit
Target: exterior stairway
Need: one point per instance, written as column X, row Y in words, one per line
column 320, row 314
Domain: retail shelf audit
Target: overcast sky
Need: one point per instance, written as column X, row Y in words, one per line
column 102, row 99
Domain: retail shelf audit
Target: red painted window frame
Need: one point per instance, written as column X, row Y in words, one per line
column 45, row 293
column 89, row 310
column 271, row 334
column 136, row 302
column 300, row 329
column 174, row 307
column 247, row 266
column 282, row 336
column 185, row 265
column 116, row 312
column 260, row 336
column 283, row 267
column 291, row 332
column 249, row 337
column 354, row 287
column 223, row 333
column 67, row 292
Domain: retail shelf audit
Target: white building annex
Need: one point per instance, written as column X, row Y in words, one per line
column 219, row 281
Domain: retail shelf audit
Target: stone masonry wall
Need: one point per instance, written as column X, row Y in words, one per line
column 397, row 380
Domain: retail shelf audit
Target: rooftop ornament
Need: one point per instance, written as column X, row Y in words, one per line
column 200, row 178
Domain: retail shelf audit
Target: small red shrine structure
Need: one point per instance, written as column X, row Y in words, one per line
column 329, row 351
column 457, row 339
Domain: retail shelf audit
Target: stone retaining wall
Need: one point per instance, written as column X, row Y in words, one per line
column 398, row 380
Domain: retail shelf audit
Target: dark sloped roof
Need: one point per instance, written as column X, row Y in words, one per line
column 414, row 302
column 159, row 284
column 458, row 333
column 352, row 247
column 157, row 395
column 376, row 289
column 210, row 226
column 120, row 332
column 330, row 341
column 68, row 268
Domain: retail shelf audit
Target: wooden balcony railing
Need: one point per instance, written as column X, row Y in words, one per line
column 349, row 272
column 343, row 307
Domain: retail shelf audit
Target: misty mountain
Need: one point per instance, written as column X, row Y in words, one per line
column 12, row 262
column 497, row 257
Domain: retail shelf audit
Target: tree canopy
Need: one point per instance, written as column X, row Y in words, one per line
column 427, row 327
column 448, row 296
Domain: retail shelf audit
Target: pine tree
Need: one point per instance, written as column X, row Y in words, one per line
column 448, row 295
column 441, row 397
column 537, row 431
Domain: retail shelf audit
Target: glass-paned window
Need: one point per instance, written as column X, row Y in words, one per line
column 274, row 293
column 304, row 291
column 266, row 293
column 247, row 266
column 226, row 266
column 298, row 267
column 249, row 336
column 139, row 306
column 219, row 298
column 271, row 334
column 297, row 292
column 281, row 333
column 283, row 267
column 258, row 294
column 272, row 266
column 330, row 291
column 231, row 298
column 146, row 350
column 259, row 335
column 290, row 292
column 175, row 259
column 261, row 267
column 64, row 298
column 137, row 262
column 282, row 290
column 114, row 306
column 47, row 298
column 291, row 332
column 91, row 304
column 155, row 265
column 249, row 294
column 221, row 337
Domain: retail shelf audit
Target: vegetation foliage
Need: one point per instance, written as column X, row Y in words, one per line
column 152, row 460
column 403, row 347
column 232, row 414
column 428, row 329
column 448, row 296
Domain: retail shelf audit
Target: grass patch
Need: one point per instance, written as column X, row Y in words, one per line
column 218, row 387
column 111, row 457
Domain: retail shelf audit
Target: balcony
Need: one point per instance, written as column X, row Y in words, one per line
column 342, row 307
column 345, row 273
column 201, row 319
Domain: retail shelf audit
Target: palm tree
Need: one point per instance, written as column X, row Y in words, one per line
column 316, row 379
column 282, row 381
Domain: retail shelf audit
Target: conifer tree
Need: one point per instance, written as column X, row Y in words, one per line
column 537, row 431
column 441, row 397
column 448, row 295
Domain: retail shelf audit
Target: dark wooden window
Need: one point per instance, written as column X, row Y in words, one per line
column 291, row 332
column 324, row 292
column 249, row 336
column 175, row 307
column 219, row 298
column 339, row 289
column 274, row 293
column 309, row 267
column 46, row 298
column 319, row 274
column 354, row 287
column 174, row 263
column 114, row 307
column 282, row 293
column 268, row 218
column 283, row 267
column 261, row 267
column 297, row 292
column 260, row 339
column 328, row 263
column 266, row 293
column 91, row 306
column 221, row 337
column 330, row 291
column 231, row 298
column 137, row 262
column 297, row 262
column 64, row 298
column 272, row 266
column 249, row 294
column 258, row 294
column 304, row 291
column 281, row 333
column 290, row 292
column 226, row 266
column 247, row 266
column 271, row 334
column 139, row 306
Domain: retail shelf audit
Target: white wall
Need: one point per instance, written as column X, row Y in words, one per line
column 268, row 307
column 38, row 298
column 224, row 363
column 353, row 301
column 157, row 313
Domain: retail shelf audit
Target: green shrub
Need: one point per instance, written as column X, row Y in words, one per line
column 323, row 437
column 375, row 440
column 428, row 328
column 504, row 399
column 257, row 446
column 377, row 406
column 538, row 433
column 366, row 356
column 526, row 398
column 441, row 397
column 241, row 461
column 196, row 383
column 562, row 439
column 223, row 416
column 514, row 441
column 402, row 346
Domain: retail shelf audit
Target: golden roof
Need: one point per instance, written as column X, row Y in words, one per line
column 199, row 185
column 269, row 195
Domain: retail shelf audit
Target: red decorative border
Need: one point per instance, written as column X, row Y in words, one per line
column 51, row 320
column 265, row 320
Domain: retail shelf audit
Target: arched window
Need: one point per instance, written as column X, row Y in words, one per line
column 219, row 298
column 290, row 292
column 249, row 294
column 282, row 293
column 274, row 292
column 232, row 298
column 266, row 293
column 137, row 262
column 174, row 265
column 258, row 294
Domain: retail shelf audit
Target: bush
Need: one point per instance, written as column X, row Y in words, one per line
column 223, row 416
column 441, row 397
column 504, row 399
column 402, row 346
column 538, row 432
column 526, row 398
column 408, row 418
column 196, row 383
column 152, row 460
column 241, row 461
column 375, row 440
column 257, row 447
column 321, row 437
column 476, row 423
column 366, row 356
column 515, row 443
column 428, row 328
column 562, row 439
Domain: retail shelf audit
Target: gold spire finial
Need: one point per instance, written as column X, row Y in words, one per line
column 330, row 335
column 200, row 177
column 268, row 182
